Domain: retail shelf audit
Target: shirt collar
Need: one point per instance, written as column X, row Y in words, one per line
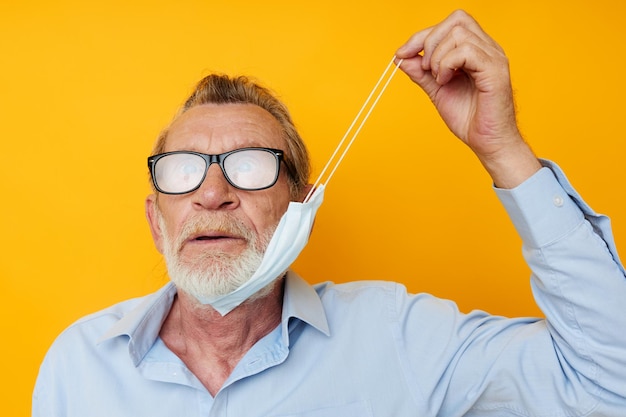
column 142, row 323
column 302, row 302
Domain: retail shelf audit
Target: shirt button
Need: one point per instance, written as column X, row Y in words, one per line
column 558, row 200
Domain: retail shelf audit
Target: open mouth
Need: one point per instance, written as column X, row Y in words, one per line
column 210, row 237
column 213, row 236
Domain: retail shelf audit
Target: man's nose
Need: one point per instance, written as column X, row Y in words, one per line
column 215, row 192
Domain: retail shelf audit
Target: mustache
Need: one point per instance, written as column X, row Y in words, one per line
column 223, row 224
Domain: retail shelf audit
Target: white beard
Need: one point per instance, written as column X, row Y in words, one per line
column 213, row 274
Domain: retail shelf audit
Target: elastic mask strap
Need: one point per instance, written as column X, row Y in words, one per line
column 358, row 129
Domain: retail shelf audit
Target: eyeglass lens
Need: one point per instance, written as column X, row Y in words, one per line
column 248, row 169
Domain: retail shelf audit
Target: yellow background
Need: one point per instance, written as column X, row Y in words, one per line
column 86, row 87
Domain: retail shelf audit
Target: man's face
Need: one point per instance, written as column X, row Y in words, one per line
column 218, row 232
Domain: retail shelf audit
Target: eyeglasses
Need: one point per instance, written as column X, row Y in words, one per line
column 182, row 172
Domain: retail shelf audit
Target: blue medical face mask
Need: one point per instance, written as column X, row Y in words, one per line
column 293, row 230
column 289, row 239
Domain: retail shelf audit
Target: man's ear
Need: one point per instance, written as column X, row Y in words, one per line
column 305, row 192
column 153, row 222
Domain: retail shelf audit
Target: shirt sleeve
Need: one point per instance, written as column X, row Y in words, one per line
column 578, row 282
column 572, row 363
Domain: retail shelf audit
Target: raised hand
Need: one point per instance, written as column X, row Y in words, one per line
column 466, row 75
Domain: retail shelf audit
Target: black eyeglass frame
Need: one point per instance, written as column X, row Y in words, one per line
column 214, row 159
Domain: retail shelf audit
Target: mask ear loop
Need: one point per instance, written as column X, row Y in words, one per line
column 358, row 129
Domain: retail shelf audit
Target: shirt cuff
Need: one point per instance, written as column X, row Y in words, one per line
column 543, row 208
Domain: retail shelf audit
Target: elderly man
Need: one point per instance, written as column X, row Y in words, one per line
column 225, row 172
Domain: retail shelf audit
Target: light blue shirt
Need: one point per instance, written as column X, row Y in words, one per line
column 370, row 349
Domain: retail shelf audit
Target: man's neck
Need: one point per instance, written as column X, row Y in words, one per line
column 210, row 344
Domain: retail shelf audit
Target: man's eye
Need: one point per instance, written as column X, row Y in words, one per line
column 246, row 166
column 189, row 169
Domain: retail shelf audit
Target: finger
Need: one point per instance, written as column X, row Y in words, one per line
column 457, row 60
column 442, row 31
column 417, row 42
column 458, row 18
column 413, row 46
column 461, row 49
column 489, row 73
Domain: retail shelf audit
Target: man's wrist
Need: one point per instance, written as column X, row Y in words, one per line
column 512, row 166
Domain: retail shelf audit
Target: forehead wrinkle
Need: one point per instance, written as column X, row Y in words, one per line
column 221, row 128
